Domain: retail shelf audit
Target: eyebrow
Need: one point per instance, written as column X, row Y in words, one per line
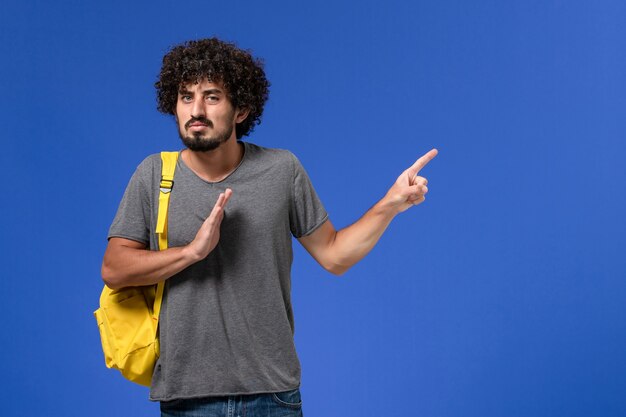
column 205, row 92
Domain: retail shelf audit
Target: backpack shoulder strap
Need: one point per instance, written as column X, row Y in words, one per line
column 168, row 166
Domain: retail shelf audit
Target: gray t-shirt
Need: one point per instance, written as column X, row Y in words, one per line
column 226, row 325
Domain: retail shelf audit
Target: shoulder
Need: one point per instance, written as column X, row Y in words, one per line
column 150, row 162
column 150, row 166
column 274, row 156
column 148, row 172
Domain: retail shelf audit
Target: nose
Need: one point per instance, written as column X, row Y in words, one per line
column 197, row 109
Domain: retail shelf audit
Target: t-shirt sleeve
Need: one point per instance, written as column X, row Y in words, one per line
column 307, row 212
column 132, row 220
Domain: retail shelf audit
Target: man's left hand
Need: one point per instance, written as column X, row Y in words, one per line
column 410, row 189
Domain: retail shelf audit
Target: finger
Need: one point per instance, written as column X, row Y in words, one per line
column 421, row 162
column 416, row 189
column 220, row 205
column 420, row 180
column 217, row 207
column 413, row 197
column 419, row 200
column 227, row 194
column 220, row 201
column 416, row 192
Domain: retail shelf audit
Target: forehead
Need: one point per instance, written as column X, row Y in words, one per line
column 202, row 85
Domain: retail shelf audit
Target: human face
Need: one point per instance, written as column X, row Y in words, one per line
column 205, row 116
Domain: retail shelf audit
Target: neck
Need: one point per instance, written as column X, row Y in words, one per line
column 215, row 165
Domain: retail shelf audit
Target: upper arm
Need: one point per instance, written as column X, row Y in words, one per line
column 118, row 244
column 136, row 210
column 114, row 253
column 319, row 244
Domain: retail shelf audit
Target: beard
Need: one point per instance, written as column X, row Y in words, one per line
column 201, row 142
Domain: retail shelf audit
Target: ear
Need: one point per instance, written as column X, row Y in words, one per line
column 241, row 115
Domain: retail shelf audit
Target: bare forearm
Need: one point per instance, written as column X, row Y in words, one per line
column 352, row 243
column 338, row 251
column 126, row 266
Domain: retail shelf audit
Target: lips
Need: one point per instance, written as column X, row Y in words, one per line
column 198, row 124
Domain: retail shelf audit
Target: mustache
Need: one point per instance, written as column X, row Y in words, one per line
column 198, row 119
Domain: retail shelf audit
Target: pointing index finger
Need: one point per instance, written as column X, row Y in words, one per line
column 421, row 162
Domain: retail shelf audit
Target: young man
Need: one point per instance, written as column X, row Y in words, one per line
column 226, row 323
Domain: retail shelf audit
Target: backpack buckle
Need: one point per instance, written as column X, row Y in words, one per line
column 166, row 185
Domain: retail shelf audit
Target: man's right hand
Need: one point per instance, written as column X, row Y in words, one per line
column 128, row 263
column 209, row 234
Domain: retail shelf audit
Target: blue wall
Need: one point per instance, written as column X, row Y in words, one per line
column 502, row 295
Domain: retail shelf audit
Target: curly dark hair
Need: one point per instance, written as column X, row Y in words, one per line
column 237, row 70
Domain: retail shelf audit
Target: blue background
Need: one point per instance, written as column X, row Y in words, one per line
column 502, row 295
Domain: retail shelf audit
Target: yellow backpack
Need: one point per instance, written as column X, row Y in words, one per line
column 128, row 318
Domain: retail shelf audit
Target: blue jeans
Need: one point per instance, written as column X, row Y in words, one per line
column 278, row 404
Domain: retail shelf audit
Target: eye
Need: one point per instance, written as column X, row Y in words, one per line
column 212, row 99
column 185, row 98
